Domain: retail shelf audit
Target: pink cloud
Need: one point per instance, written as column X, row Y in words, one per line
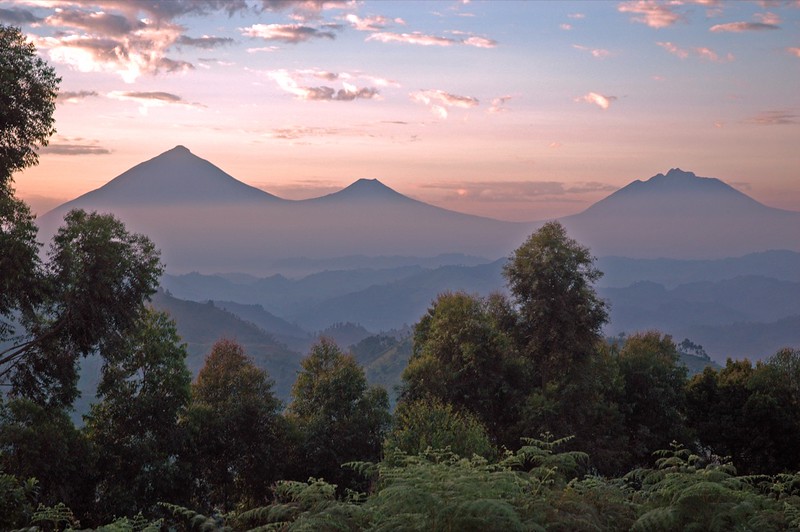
column 288, row 81
column 738, row 27
column 604, row 102
column 432, row 40
column 599, row 53
column 794, row 50
column 650, row 12
column 768, row 18
column 702, row 52
column 439, row 100
column 499, row 104
column 288, row 33
column 674, row 49
column 565, row 27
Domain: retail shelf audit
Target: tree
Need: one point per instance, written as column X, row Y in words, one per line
column 28, row 90
column 143, row 390
column 339, row 419
column 91, row 291
column 430, row 423
column 551, row 279
column 653, row 396
column 42, row 443
column 237, row 435
column 462, row 358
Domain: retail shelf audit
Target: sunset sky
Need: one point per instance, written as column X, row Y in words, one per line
column 514, row 110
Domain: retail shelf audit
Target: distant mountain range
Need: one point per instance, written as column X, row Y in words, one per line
column 205, row 220
column 703, row 300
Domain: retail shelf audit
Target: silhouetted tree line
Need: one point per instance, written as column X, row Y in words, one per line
column 639, row 445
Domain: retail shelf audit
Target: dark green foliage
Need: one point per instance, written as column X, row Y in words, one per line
column 236, row 436
column 338, row 418
column 41, row 443
column 16, row 500
column 92, row 290
column 28, row 90
column 19, row 261
column 461, row 357
column 143, row 390
column 551, row 279
column 653, row 396
column 429, row 423
column 749, row 413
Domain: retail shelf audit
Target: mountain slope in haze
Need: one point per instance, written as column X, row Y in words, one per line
column 204, row 220
column 200, row 325
column 681, row 215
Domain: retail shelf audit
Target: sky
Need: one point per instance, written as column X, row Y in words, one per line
column 513, row 110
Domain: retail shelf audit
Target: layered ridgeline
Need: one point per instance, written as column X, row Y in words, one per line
column 205, row 220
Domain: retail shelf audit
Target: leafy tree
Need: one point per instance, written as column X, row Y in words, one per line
column 551, row 279
column 460, row 357
column 653, row 398
column 92, row 290
column 28, row 90
column 338, row 418
column 432, row 424
column 748, row 413
column 41, row 443
column 143, row 390
column 237, row 436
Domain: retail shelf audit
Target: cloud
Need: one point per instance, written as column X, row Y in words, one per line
column 75, row 96
column 375, row 23
column 439, row 101
column 738, row 27
column 130, row 55
column 768, row 18
column 206, row 41
column 499, row 104
column 433, row 40
column 147, row 99
column 599, row 53
column 74, row 146
column 794, row 50
column 774, row 118
column 576, row 15
column 298, row 132
column 18, row 16
column 701, row 52
column 650, row 12
column 604, row 102
column 105, row 24
column 290, row 82
column 565, row 27
column 288, row 33
column 74, row 149
column 517, row 191
column 674, row 49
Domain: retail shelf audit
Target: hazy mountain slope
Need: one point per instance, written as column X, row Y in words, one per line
column 623, row 271
column 200, row 325
column 680, row 215
column 383, row 307
column 284, row 332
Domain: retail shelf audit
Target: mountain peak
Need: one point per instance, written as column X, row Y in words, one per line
column 366, row 190
column 175, row 176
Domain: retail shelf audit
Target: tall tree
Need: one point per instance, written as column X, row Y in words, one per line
column 551, row 278
column 462, row 358
column 237, row 435
column 28, row 90
column 653, row 397
column 339, row 418
column 143, row 390
column 93, row 289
